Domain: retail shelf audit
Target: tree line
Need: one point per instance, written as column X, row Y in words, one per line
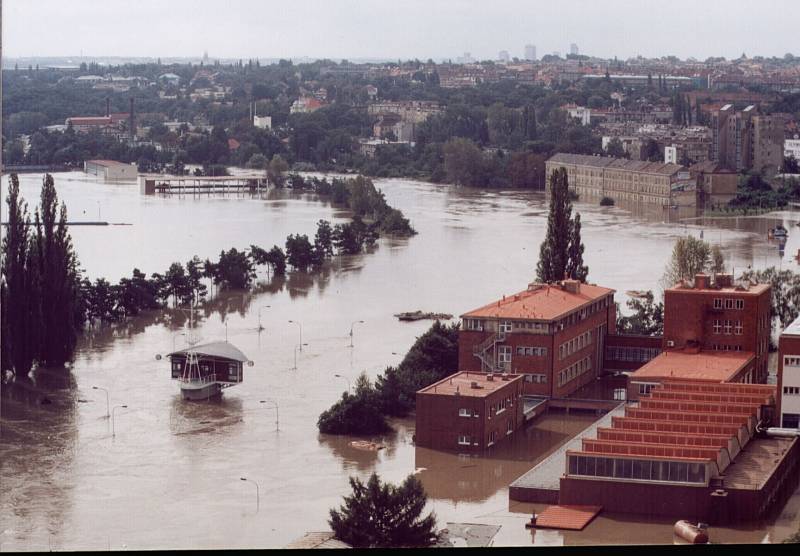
column 46, row 303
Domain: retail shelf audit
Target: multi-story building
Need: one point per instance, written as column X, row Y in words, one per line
column 469, row 412
column 573, row 49
column 626, row 180
column 530, row 52
column 745, row 139
column 717, row 184
column 554, row 334
column 788, row 397
column 791, row 147
column 723, row 316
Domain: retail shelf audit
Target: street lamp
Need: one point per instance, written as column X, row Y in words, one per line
column 106, row 391
column 351, row 330
column 175, row 336
column 347, row 379
column 295, row 354
column 258, row 503
column 113, row 411
column 98, row 211
column 259, row 316
column 277, row 414
column 301, row 333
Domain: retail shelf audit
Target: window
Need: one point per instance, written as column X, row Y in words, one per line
column 728, row 327
column 509, row 427
column 740, row 304
column 505, row 326
column 536, row 378
column 464, row 412
column 644, row 388
column 504, row 355
column 474, row 324
column 791, row 361
column 464, row 439
column 791, row 421
column 738, row 329
column 791, row 390
column 176, row 366
column 717, row 327
column 729, row 303
column 491, row 438
column 717, row 303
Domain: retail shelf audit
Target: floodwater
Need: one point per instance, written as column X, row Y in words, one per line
column 165, row 473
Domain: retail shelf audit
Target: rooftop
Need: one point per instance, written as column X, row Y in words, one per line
column 712, row 366
column 641, row 166
column 793, row 329
column 100, row 162
column 461, row 384
column 542, row 301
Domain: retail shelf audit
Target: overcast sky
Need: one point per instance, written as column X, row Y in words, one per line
column 399, row 29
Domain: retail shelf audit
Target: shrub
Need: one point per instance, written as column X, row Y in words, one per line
column 606, row 202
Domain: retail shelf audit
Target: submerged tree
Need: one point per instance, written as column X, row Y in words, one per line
column 691, row 256
column 561, row 252
column 647, row 318
column 382, row 515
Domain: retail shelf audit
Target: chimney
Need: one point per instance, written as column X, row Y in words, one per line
column 701, row 281
column 108, row 107
column 490, row 377
column 571, row 286
column 723, row 280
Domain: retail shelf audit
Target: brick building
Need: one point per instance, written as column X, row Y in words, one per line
column 469, row 412
column 788, row 397
column 554, row 334
column 716, row 183
column 722, row 316
column 745, row 139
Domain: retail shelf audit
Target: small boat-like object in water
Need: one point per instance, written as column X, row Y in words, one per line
column 693, row 534
column 205, row 370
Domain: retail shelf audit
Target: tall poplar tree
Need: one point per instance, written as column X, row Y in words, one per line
column 561, row 252
column 60, row 281
column 21, row 315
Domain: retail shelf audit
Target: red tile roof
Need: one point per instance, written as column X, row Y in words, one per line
column 711, row 366
column 541, row 302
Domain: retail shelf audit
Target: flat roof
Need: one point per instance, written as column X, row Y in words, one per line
column 541, row 302
column 460, row 383
column 750, row 289
column 107, row 163
column 712, row 366
column 793, row 329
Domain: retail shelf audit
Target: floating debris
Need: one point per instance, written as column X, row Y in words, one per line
column 419, row 315
column 366, row 445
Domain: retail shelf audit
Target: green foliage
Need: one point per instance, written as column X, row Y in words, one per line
column 561, row 252
column 382, row 515
column 647, row 318
column 358, row 413
column 615, row 149
column 785, row 292
column 234, row 270
column 299, row 252
column 691, row 256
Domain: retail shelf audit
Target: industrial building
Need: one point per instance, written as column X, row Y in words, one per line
column 111, row 170
column 788, row 406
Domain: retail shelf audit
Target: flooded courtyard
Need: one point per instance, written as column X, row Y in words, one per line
column 79, row 473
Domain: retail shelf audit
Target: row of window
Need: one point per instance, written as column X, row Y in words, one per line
column 729, row 326
column 728, row 303
column 587, row 311
column 496, row 409
column 791, row 390
column 574, row 370
column 534, row 351
column 644, row 388
column 467, row 412
column 645, row 470
column 536, row 378
column 626, row 353
column 790, row 361
column 575, row 344
column 470, row 440
column 725, row 347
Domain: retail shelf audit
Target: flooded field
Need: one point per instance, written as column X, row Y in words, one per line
column 165, row 473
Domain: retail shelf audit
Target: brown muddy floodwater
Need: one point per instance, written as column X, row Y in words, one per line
column 170, row 475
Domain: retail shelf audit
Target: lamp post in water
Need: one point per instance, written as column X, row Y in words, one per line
column 300, row 346
column 106, row 391
column 351, row 330
column 260, row 328
column 301, row 333
column 277, row 415
column 347, row 379
column 258, row 503
column 113, row 420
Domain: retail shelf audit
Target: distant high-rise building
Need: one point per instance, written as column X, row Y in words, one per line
column 503, row 56
column 530, row 52
column 205, row 56
column 573, row 49
column 744, row 140
column 465, row 59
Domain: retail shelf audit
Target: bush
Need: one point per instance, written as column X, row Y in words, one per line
column 606, row 202
column 380, row 515
column 357, row 413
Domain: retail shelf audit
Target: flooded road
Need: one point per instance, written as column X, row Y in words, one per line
column 164, row 473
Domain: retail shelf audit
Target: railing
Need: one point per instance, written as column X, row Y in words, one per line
column 480, row 350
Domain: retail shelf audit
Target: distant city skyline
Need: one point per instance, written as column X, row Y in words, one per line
column 444, row 29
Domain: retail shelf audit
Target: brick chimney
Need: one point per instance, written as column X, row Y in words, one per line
column 723, row 280
column 701, row 281
column 571, row 286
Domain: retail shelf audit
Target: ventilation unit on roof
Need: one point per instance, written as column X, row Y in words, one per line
column 670, row 343
column 490, row 376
